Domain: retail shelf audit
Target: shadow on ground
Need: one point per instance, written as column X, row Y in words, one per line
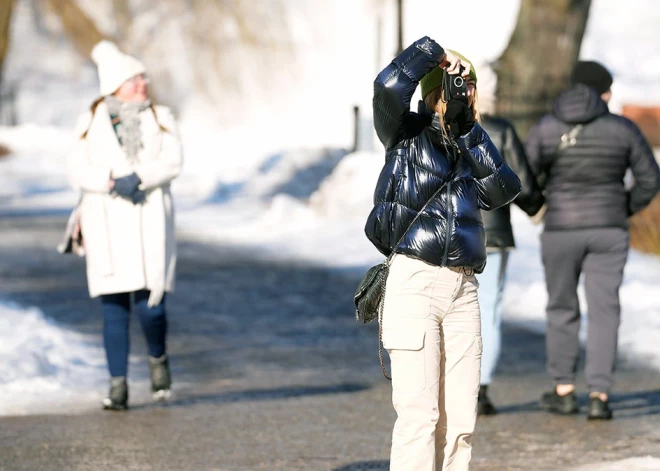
column 366, row 466
column 231, row 312
column 256, row 395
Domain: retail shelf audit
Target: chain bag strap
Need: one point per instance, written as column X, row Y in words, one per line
column 370, row 296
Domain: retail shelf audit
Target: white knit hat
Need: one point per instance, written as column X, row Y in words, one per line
column 114, row 66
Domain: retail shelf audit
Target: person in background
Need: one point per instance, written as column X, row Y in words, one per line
column 586, row 228
column 127, row 153
column 499, row 242
column 440, row 169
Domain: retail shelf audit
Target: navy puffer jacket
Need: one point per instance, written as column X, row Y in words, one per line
column 419, row 161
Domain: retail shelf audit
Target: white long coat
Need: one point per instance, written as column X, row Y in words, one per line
column 128, row 247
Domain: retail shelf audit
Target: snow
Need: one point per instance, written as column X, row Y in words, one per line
column 525, row 296
column 33, row 176
column 41, row 359
column 265, row 161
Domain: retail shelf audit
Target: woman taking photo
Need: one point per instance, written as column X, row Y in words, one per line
column 127, row 154
column 440, row 169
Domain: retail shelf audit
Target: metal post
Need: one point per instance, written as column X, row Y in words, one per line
column 399, row 26
column 356, row 127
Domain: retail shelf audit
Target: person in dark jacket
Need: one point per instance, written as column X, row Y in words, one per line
column 586, row 228
column 499, row 241
column 430, row 323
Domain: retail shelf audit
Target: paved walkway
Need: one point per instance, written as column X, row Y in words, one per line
column 272, row 373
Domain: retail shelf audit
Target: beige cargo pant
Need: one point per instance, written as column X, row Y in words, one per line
column 432, row 332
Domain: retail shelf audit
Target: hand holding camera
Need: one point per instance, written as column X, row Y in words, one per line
column 458, row 115
column 453, row 65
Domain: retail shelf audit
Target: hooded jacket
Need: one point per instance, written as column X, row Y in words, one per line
column 419, row 161
column 585, row 183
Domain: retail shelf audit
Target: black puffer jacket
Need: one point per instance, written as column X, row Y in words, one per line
column 585, row 182
column 419, row 161
column 497, row 223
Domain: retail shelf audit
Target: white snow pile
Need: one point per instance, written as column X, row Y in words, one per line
column 525, row 296
column 325, row 228
column 43, row 365
column 33, row 175
column 647, row 463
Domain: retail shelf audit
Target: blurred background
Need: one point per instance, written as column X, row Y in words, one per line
column 273, row 101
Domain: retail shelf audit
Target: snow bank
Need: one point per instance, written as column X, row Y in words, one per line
column 34, row 174
column 45, row 365
column 525, row 296
column 328, row 229
column 270, row 212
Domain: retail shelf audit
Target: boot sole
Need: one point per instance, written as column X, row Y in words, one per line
column 600, row 417
column 114, row 407
column 163, row 395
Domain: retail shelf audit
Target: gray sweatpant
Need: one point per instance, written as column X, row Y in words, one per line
column 601, row 255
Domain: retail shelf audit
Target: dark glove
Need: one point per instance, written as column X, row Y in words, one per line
column 139, row 197
column 126, row 186
column 459, row 117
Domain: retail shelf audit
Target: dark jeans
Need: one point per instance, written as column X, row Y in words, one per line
column 601, row 255
column 116, row 317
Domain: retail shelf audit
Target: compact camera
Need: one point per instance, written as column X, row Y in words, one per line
column 455, row 86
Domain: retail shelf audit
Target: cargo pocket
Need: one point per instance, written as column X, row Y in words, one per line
column 406, row 349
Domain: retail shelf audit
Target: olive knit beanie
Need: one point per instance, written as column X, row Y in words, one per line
column 433, row 79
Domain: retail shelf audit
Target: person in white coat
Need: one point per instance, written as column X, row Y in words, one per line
column 127, row 153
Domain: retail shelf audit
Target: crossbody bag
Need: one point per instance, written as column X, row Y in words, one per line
column 369, row 296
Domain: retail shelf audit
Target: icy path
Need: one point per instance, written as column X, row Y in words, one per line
column 271, row 373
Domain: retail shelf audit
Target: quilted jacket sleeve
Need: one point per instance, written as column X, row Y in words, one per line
column 497, row 184
column 535, row 157
column 531, row 197
column 644, row 169
column 395, row 86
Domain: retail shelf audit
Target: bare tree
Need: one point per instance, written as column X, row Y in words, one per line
column 535, row 66
column 6, row 7
column 80, row 29
column 123, row 17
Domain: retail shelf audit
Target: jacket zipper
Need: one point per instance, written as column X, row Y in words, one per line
column 450, row 215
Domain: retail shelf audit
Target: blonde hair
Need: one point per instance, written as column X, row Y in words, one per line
column 435, row 103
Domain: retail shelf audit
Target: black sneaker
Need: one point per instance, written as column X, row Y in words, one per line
column 599, row 410
column 484, row 406
column 161, row 380
column 118, row 396
column 556, row 404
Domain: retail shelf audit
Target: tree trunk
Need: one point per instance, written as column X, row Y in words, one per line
column 6, row 7
column 124, row 18
column 79, row 28
column 537, row 63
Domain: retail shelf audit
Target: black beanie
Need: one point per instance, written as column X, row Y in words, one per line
column 592, row 74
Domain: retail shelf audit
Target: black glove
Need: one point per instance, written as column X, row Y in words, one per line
column 126, row 186
column 139, row 197
column 459, row 117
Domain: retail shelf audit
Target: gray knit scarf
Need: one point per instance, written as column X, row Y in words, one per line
column 129, row 132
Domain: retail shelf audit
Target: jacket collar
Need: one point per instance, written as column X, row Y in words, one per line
column 435, row 122
column 432, row 118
